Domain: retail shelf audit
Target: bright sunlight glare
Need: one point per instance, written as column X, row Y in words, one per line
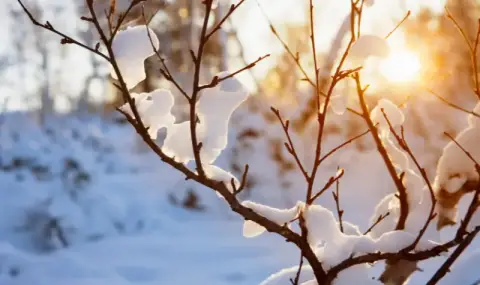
column 401, row 66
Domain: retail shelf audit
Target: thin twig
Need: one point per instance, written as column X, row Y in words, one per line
column 197, row 60
column 404, row 208
column 477, row 166
column 459, row 28
column 462, row 229
column 452, row 104
column 398, row 25
column 299, row 271
column 289, row 145
column 165, row 71
column 379, row 219
column 216, row 80
column 65, row 39
column 337, row 148
column 336, row 197
column 329, row 183
column 322, row 114
column 295, row 57
column 444, row 269
column 232, row 9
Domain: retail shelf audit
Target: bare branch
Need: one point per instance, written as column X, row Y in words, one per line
column 452, row 104
column 336, row 197
column 232, row 9
column 398, row 25
column 379, row 219
column 216, row 80
column 383, row 152
column 166, row 72
column 290, row 146
column 65, row 39
column 444, row 269
column 329, row 183
column 337, row 148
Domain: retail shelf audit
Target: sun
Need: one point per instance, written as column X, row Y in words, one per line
column 401, row 66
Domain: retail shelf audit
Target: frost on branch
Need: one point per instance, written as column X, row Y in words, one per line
column 456, row 173
column 279, row 216
column 154, row 110
column 367, row 46
column 131, row 47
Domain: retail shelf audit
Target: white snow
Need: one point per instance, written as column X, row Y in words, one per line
column 219, row 174
column 131, row 47
column 455, row 169
column 367, row 46
column 339, row 103
column 279, row 216
column 393, row 113
column 154, row 110
column 215, row 108
column 121, row 228
column 285, row 275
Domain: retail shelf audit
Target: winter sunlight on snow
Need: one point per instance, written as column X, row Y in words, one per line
column 239, row 142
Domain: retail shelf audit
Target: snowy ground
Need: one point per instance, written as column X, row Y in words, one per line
column 120, row 224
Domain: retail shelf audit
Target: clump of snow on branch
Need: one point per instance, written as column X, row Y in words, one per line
column 393, row 113
column 215, row 108
column 218, row 174
column 330, row 244
column 456, row 173
column 131, row 47
column 178, row 143
column 279, row 216
column 367, row 46
column 418, row 195
column 333, row 246
column 212, row 129
column 154, row 109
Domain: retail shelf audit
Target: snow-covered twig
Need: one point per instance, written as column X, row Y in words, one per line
column 404, row 145
column 337, row 148
column 384, row 153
